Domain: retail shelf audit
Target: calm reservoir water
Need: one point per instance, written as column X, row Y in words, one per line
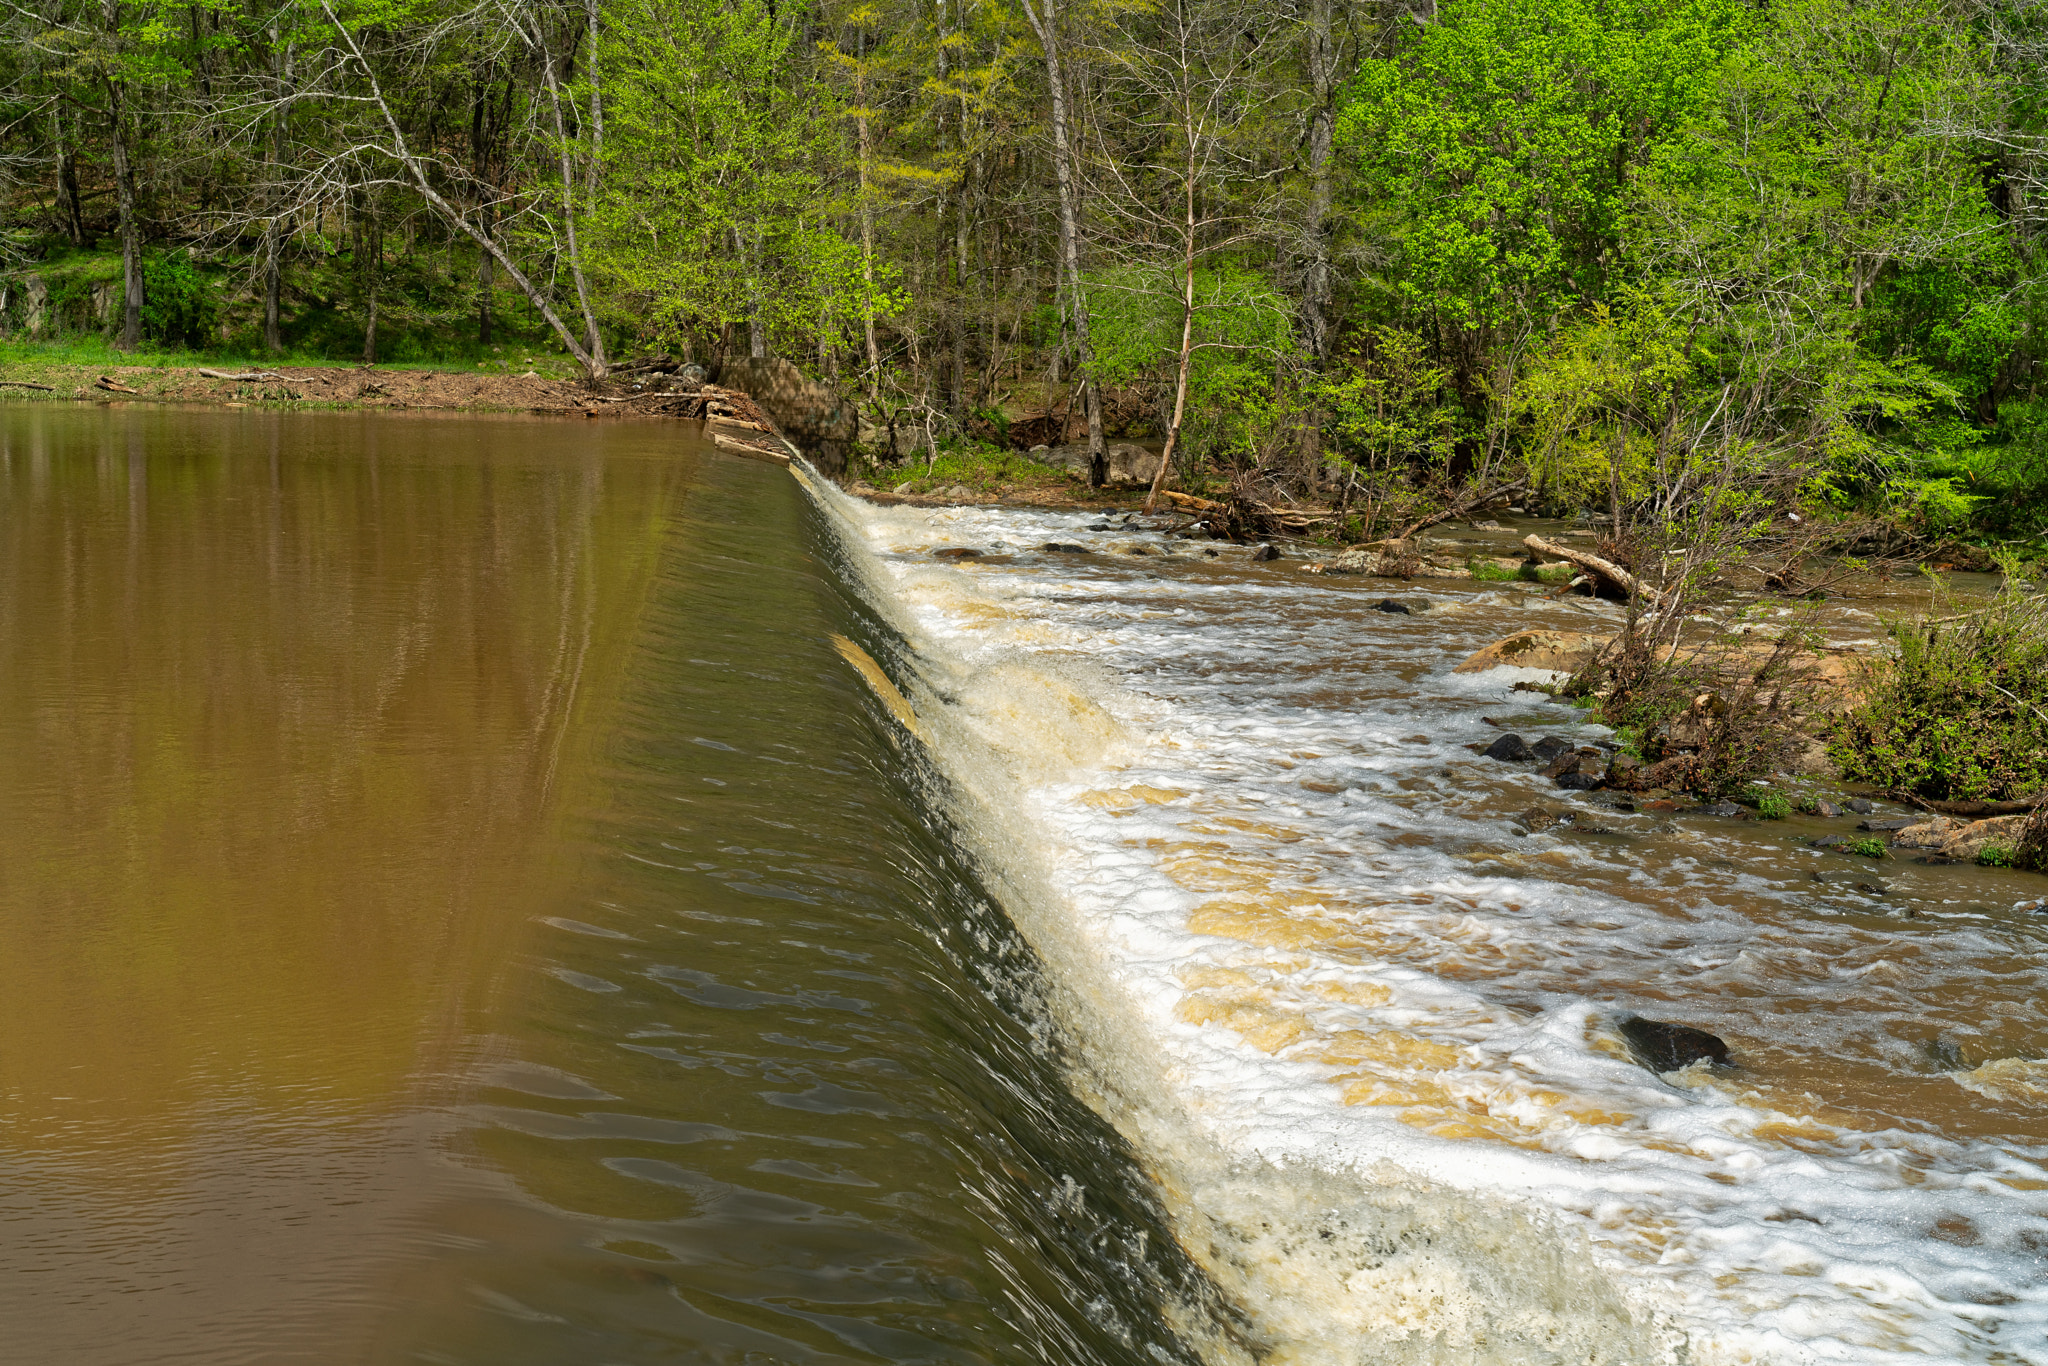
column 457, row 905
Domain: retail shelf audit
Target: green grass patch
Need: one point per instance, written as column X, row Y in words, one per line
column 982, row 468
column 1773, row 806
column 1871, row 848
column 1998, row 856
column 1487, row 571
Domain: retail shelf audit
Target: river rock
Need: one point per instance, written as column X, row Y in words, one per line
column 1537, row 819
column 1919, row 833
column 1721, row 808
column 1860, row 806
column 1557, row 651
column 1550, row 747
column 1509, row 747
column 1826, row 809
column 818, row 420
column 1264, row 552
column 1579, row 781
column 956, row 552
column 1664, row 1047
column 1060, row 548
column 1965, row 842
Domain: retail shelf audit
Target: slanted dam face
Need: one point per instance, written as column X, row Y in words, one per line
column 504, row 891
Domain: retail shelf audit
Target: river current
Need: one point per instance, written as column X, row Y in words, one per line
column 492, row 890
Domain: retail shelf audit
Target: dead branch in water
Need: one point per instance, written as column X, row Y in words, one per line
column 1459, row 508
column 1593, row 564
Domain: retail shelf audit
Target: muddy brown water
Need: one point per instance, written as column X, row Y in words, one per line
column 456, row 906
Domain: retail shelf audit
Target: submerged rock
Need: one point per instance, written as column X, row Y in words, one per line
column 1888, row 823
column 1538, row 818
column 1665, row 1047
column 1264, row 552
column 1722, row 808
column 1509, row 747
column 1060, row 548
column 956, row 552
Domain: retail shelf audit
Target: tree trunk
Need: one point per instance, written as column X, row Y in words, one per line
column 369, row 260
column 867, row 227
column 273, row 245
column 592, row 338
column 1047, row 31
column 1316, row 286
column 131, row 233
column 67, row 185
column 1187, row 335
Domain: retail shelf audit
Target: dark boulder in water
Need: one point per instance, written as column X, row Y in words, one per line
column 1509, row 747
column 1263, row 553
column 1664, row 1047
column 1579, row 782
column 1549, row 747
column 1060, row 548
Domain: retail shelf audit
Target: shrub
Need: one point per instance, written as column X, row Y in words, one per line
column 1960, row 713
column 1996, row 856
column 1872, row 848
column 1773, row 806
column 179, row 303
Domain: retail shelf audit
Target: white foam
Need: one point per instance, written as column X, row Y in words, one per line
column 1368, row 1042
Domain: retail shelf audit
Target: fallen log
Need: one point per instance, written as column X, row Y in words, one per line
column 25, row 384
column 1978, row 809
column 750, row 451
column 1593, row 564
column 243, row 376
column 109, row 382
column 1188, row 500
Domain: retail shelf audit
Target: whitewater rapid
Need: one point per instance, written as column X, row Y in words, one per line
column 1363, row 1031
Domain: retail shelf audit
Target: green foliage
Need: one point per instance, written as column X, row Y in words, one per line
column 1997, row 856
column 1498, row 143
column 179, row 303
column 718, row 208
column 1868, row 848
column 1242, row 325
column 1773, row 806
column 1960, row 713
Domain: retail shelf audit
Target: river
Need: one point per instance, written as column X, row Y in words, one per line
column 504, row 890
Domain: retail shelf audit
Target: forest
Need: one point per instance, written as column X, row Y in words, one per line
column 1611, row 258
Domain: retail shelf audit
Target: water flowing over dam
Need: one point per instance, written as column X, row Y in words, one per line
column 502, row 891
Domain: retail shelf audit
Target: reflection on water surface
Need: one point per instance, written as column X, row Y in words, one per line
column 457, row 906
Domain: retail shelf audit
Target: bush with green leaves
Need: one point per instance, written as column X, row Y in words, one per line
column 1960, row 712
column 179, row 303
